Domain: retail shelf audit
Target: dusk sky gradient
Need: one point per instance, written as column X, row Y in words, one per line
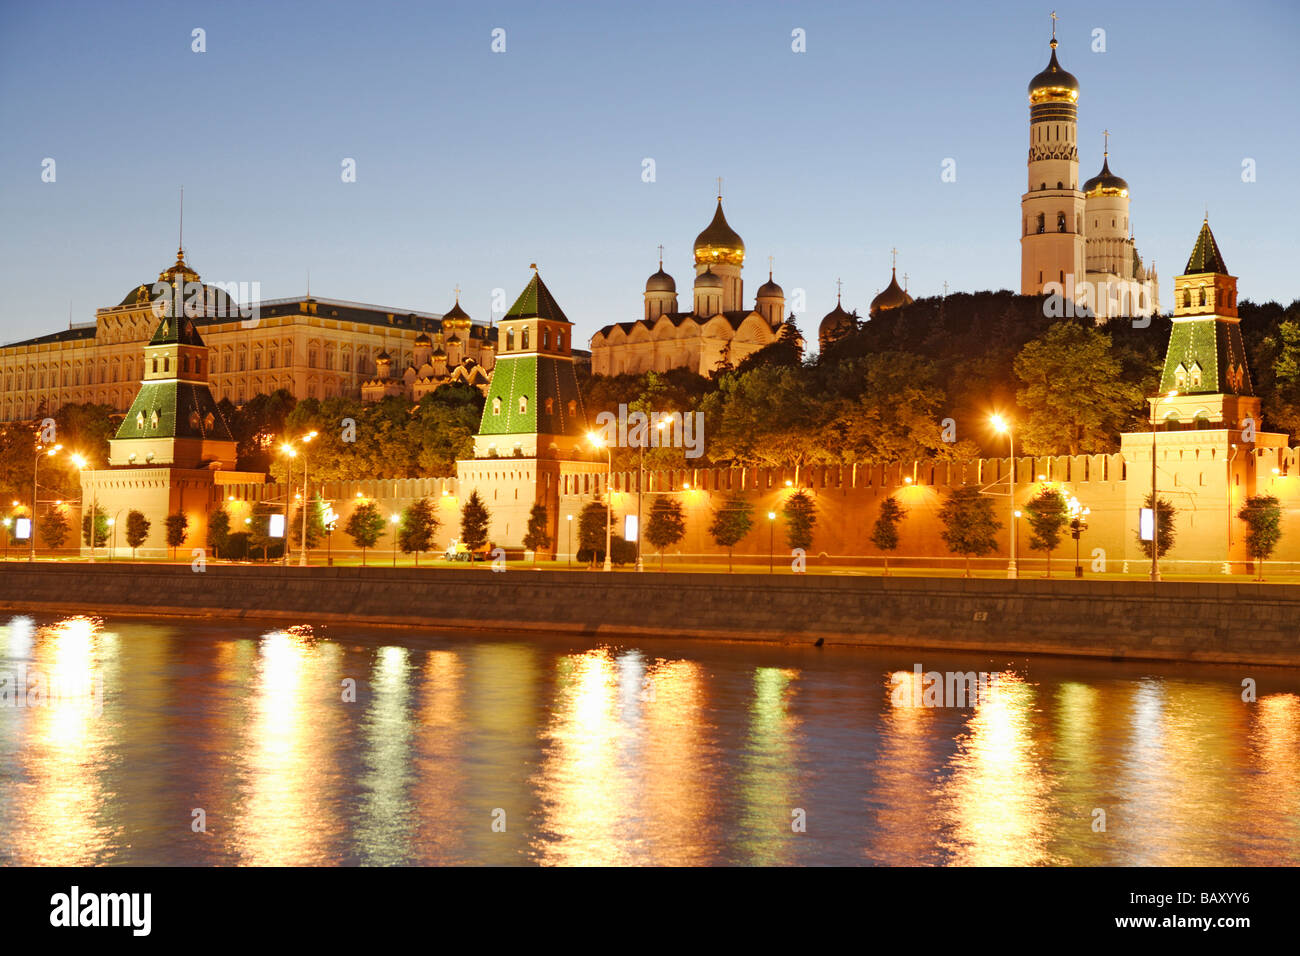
column 471, row 165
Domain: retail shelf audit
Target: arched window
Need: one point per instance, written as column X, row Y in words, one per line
column 1180, row 377
column 510, row 340
column 1195, row 376
column 1042, row 222
column 546, row 338
column 523, row 338
column 550, row 406
column 1060, row 222
column 496, row 406
column 1202, row 298
column 155, row 363
column 1060, row 185
column 523, row 404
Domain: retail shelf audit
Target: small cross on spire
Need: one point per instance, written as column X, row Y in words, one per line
column 719, row 189
column 771, row 265
column 893, row 262
column 1054, row 19
column 1106, row 134
column 839, row 291
column 661, row 257
column 458, row 293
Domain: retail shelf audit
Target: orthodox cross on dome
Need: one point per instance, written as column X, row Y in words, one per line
column 839, row 290
column 661, row 257
column 180, row 240
column 1054, row 19
column 904, row 281
column 458, row 294
column 719, row 189
column 1106, row 149
column 771, row 265
column 893, row 262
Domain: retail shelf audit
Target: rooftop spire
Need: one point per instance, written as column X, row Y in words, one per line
column 1106, row 147
column 661, row 257
column 1054, row 29
column 719, row 189
column 180, row 241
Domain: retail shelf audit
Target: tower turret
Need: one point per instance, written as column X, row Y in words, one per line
column 660, row 292
column 719, row 249
column 1052, row 209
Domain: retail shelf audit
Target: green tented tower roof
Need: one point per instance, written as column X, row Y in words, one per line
column 536, row 302
column 1205, row 257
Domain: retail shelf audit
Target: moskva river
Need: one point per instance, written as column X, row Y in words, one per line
column 135, row 742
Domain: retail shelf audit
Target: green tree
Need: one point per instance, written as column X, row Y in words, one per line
column 884, row 533
column 1167, row 530
column 219, row 531
column 420, row 523
column 591, row 531
column 315, row 523
column 1074, row 395
column 259, row 534
column 54, row 528
column 1048, row 516
column 365, row 527
column 177, row 530
column 101, row 527
column 1263, row 517
column 666, row 524
column 536, row 537
column 969, row 528
column 474, row 520
column 800, row 514
column 137, row 530
column 731, row 522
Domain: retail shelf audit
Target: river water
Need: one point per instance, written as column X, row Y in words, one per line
column 167, row 742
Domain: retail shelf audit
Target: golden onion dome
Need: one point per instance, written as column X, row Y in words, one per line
column 770, row 290
column 421, row 339
column 708, row 279
column 892, row 298
column 836, row 323
column 1106, row 183
column 660, row 282
column 718, row 243
column 1053, row 83
column 456, row 315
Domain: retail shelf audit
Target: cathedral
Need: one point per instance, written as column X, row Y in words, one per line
column 1077, row 242
column 718, row 332
column 458, row 352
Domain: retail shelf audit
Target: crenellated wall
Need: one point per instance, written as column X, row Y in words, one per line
column 848, row 500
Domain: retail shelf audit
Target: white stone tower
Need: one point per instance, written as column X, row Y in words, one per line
column 1052, row 210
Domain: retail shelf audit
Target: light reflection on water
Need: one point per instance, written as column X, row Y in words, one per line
column 558, row 751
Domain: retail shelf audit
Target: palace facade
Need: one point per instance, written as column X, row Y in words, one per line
column 314, row 347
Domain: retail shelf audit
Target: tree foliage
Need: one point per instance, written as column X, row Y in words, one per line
column 1263, row 517
column 731, row 523
column 884, row 533
column 177, row 530
column 474, row 521
column 666, row 524
column 54, row 528
column 1166, row 527
column 536, row 537
column 420, row 522
column 1048, row 515
column 800, row 517
column 365, row 526
column 969, row 528
column 137, row 530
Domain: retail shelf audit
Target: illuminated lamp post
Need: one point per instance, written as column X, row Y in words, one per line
column 395, row 520
column 1078, row 525
column 771, row 542
column 1004, row 426
column 598, row 442
column 570, row 524
column 1155, row 498
column 36, row 463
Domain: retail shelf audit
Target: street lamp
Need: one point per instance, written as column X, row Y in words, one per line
column 599, row 442
column 1155, row 499
column 1078, row 525
column 1004, row 426
column 94, row 504
column 570, row 523
column 771, row 541
column 288, row 449
column 112, row 524
column 36, row 463
column 395, row 520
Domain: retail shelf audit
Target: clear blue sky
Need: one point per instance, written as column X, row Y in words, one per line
column 471, row 165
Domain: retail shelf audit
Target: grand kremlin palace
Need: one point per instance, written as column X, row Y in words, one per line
column 315, row 348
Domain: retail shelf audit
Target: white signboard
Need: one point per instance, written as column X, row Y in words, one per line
column 277, row 526
column 22, row 528
column 629, row 528
column 1146, row 525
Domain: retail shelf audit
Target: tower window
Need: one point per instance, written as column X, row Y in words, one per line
column 1042, row 222
column 550, row 406
column 496, row 406
column 523, row 404
column 546, row 338
column 510, row 340
column 1062, row 278
column 523, row 338
column 1060, row 185
column 1060, row 222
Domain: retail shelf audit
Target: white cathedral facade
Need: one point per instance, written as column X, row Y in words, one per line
column 1077, row 241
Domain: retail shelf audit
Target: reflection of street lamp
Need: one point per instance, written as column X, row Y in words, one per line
column 394, row 520
column 1078, row 524
column 570, row 523
column 771, row 539
column 599, row 442
column 1155, row 499
column 1004, row 426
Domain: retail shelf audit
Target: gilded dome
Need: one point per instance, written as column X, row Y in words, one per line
column 708, row 279
column 892, row 297
column 381, row 357
column 421, row 339
column 1105, row 183
column 659, row 282
column 1053, row 83
column 719, row 242
column 836, row 324
column 456, row 315
column 770, row 290
column 180, row 269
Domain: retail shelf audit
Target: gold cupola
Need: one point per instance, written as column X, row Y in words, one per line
column 718, row 244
